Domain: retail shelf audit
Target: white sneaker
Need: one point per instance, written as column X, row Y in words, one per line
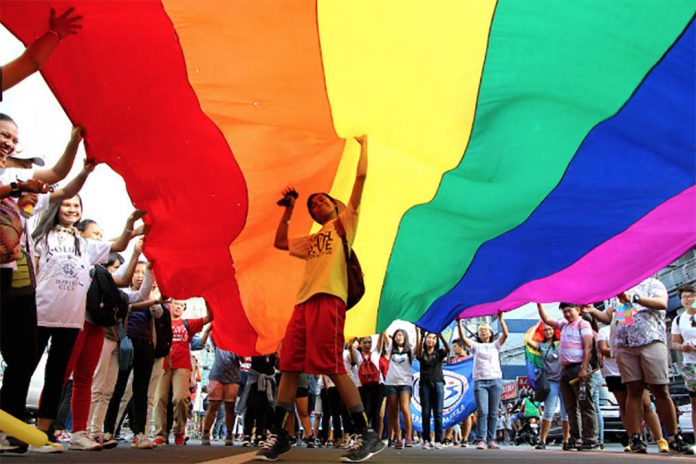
column 80, row 441
column 140, row 441
column 426, row 445
column 49, row 447
column 437, row 445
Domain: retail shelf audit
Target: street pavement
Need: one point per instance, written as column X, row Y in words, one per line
column 218, row 454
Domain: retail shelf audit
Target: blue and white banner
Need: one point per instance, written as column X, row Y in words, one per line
column 459, row 401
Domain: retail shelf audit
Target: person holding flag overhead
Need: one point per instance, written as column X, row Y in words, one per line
column 314, row 339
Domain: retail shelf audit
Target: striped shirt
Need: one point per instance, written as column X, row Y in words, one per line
column 571, row 339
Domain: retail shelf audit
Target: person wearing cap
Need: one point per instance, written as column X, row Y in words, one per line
column 18, row 317
column 488, row 378
column 314, row 338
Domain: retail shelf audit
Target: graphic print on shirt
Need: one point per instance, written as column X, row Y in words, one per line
column 63, row 264
column 179, row 333
column 321, row 244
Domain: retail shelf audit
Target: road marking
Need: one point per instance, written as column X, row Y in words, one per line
column 236, row 459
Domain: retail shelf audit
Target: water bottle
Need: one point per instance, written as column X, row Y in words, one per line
column 582, row 393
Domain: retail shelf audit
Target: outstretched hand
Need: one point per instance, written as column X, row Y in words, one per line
column 65, row 24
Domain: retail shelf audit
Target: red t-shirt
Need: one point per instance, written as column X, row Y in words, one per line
column 180, row 354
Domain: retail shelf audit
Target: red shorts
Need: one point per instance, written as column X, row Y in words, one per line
column 314, row 341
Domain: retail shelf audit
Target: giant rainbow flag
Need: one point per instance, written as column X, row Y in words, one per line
column 519, row 150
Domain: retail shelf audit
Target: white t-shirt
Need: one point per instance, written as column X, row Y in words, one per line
column 486, row 360
column 63, row 278
column 350, row 369
column 400, row 370
column 687, row 332
column 610, row 368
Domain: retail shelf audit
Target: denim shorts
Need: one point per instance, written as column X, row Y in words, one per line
column 396, row 390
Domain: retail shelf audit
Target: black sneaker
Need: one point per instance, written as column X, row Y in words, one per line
column 364, row 447
column 568, row 446
column 541, row 446
column 677, row 444
column 273, row 447
column 310, row 441
column 638, row 445
column 588, row 446
column 12, row 445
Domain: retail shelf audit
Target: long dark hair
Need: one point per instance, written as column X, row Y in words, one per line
column 398, row 349
column 48, row 222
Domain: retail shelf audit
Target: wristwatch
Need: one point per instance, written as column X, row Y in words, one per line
column 635, row 298
column 15, row 192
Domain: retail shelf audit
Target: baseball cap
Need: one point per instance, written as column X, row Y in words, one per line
column 22, row 155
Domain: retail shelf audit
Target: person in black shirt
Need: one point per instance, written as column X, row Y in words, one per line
column 432, row 383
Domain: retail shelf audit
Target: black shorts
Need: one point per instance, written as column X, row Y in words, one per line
column 302, row 392
column 614, row 383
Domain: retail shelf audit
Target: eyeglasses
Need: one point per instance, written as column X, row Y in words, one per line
column 688, row 297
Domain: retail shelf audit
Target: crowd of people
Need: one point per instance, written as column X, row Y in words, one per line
column 319, row 390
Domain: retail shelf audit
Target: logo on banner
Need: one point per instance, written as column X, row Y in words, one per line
column 455, row 387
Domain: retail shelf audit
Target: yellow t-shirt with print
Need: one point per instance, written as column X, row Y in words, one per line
column 325, row 261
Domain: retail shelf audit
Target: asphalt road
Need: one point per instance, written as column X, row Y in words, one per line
column 218, row 454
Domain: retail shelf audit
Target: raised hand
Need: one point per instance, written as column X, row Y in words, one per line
column 65, row 24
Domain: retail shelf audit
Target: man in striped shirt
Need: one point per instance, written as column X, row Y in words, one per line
column 577, row 338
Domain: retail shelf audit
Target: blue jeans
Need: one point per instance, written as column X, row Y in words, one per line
column 432, row 396
column 596, row 381
column 487, row 394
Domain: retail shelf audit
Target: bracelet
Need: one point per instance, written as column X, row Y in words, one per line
column 287, row 221
column 51, row 31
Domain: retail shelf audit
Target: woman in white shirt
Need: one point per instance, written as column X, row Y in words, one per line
column 399, row 386
column 64, row 259
column 488, row 379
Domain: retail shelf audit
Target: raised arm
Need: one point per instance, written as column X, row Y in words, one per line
column 544, row 316
column 281, row 237
column 208, row 315
column 61, row 169
column 75, row 185
column 382, row 342
column 651, row 302
column 125, row 277
column 419, row 341
column 602, row 316
column 361, row 173
column 36, row 54
column 464, row 338
column 444, row 342
column 120, row 243
column 504, row 328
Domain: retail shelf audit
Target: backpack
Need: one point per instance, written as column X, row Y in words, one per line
column 368, row 373
column 163, row 332
column 356, row 281
column 105, row 302
column 11, row 230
